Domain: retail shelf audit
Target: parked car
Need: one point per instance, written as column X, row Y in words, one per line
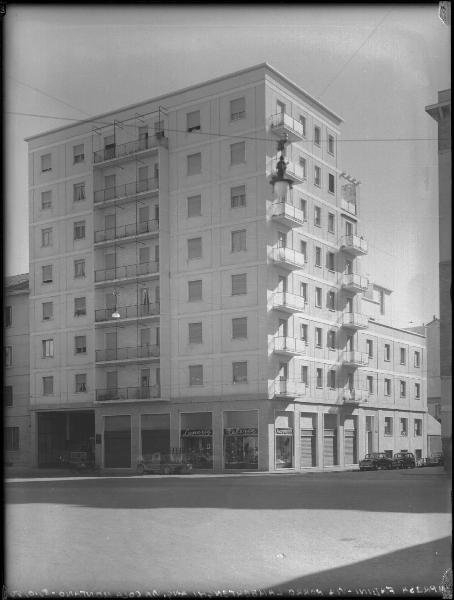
column 167, row 464
column 404, row 460
column 434, row 460
column 374, row 461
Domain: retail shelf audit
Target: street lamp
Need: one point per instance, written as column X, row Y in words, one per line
column 115, row 314
column 281, row 184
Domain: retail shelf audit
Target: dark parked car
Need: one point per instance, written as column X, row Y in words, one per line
column 404, row 460
column 434, row 460
column 374, row 461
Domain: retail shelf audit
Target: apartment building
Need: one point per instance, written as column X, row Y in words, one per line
column 16, row 373
column 179, row 300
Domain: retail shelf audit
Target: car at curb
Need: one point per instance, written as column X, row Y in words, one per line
column 374, row 461
column 404, row 460
column 165, row 464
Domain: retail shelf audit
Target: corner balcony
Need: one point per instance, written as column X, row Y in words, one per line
column 129, row 150
column 289, row 303
column 348, row 206
column 352, row 358
column 284, row 388
column 295, row 172
column 127, row 272
column 287, row 258
column 354, row 244
column 353, row 396
column 125, row 231
column 288, row 346
column 133, row 353
column 354, row 321
column 288, row 215
column 354, row 282
column 127, row 312
column 128, row 393
column 126, row 190
column 281, row 124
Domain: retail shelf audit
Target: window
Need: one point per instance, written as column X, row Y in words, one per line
column 318, row 256
column 331, row 222
column 332, row 340
column 195, row 290
column 46, row 163
column 194, row 164
column 195, row 333
column 330, row 261
column 387, row 387
column 78, row 153
column 318, row 337
column 194, row 248
column 193, row 120
column 239, row 284
column 319, row 378
column 317, row 176
column 46, row 237
column 8, row 316
column 303, row 249
column 370, row 348
column 303, row 291
column 330, row 144
column 239, row 240
column 404, row 427
column 331, row 379
column 8, row 356
column 417, row 391
column 348, row 267
column 302, row 163
column 239, row 372
column 46, row 200
column 417, row 359
column 318, row 297
column 280, row 107
column 79, row 192
column 48, row 348
column 80, row 307
column 317, row 216
column 81, row 383
column 48, row 311
column 317, row 135
column 331, row 301
column 196, row 375
column 8, row 395
column 79, row 230
column 418, row 427
column 48, row 386
column 237, row 109
column 349, row 305
column 80, row 344
column 195, row 206
column 304, row 375
column 403, row 389
column 331, row 184
column 303, row 208
column 387, row 352
column 370, row 384
column 11, row 438
column 239, row 328
column 402, row 356
column 144, row 255
column 79, row 268
column 237, row 153
column 388, row 426
column 304, row 332
column 303, row 123
column 238, row 196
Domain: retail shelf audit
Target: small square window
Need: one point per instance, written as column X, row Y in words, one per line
column 238, row 196
column 195, row 333
column 79, row 268
column 317, row 136
column 193, row 120
column 81, row 383
column 79, row 230
column 47, row 274
column 239, row 284
column 239, row 240
column 237, row 153
column 331, row 183
column 194, row 248
column 196, row 375
column 237, row 109
column 194, row 164
column 195, row 206
column 317, row 176
column 79, row 192
column 239, row 372
column 78, row 153
column 46, row 163
column 239, row 328
column 195, row 290
column 46, row 200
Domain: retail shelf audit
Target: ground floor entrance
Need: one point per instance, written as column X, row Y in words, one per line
column 60, row 432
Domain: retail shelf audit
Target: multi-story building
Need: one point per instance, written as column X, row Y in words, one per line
column 16, row 381
column 178, row 302
column 441, row 112
column 433, row 368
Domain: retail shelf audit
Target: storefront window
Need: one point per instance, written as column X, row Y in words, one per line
column 197, row 439
column 308, row 443
column 155, row 430
column 283, row 430
column 241, row 440
column 117, row 441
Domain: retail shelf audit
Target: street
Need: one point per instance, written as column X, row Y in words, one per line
column 238, row 532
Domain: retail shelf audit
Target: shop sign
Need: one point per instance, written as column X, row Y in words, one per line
column 240, row 431
column 186, row 433
column 284, row 431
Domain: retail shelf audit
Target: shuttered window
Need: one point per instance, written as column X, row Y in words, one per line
column 239, row 284
column 47, row 274
column 237, row 109
column 194, row 164
column 196, row 375
column 195, row 290
column 237, row 153
column 195, row 333
column 195, row 206
column 193, row 120
column 239, row 328
column 195, row 248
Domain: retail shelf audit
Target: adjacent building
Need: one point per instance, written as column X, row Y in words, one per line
column 176, row 301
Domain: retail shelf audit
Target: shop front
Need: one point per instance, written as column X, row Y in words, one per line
column 155, row 433
column 308, row 444
column 62, row 432
column 117, row 441
column 241, row 449
column 329, row 440
column 283, row 439
column 350, row 440
column 197, row 439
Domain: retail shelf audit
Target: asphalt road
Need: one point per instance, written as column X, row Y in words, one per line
column 199, row 533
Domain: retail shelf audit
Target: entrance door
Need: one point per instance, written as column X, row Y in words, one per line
column 369, row 434
column 144, row 383
column 350, row 343
column 348, row 228
column 348, row 267
column 142, row 184
column 143, row 138
column 282, row 331
column 144, row 216
column 281, row 239
column 282, row 285
column 349, row 305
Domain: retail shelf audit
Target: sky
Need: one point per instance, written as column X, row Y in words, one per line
column 377, row 66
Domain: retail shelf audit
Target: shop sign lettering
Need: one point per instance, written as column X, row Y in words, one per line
column 196, row 433
column 284, row 431
column 240, row 431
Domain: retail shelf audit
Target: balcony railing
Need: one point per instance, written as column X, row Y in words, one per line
column 287, row 257
column 283, row 123
column 121, row 150
column 124, row 272
column 127, row 312
column 128, row 393
column 296, row 172
column 353, row 396
column 354, row 244
column 132, row 353
column 352, row 357
column 355, row 282
column 289, row 302
column 287, row 214
column 123, row 231
column 355, row 321
column 126, row 190
column 289, row 345
column 284, row 387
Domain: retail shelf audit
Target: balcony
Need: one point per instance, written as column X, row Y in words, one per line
column 127, row 312
column 289, row 303
column 126, row 190
column 128, row 393
column 281, row 124
column 352, row 358
column 125, row 231
column 295, row 172
column 354, row 282
column 348, row 206
column 288, row 346
column 288, row 215
column 355, row 321
column 287, row 258
column 354, row 244
column 127, row 354
column 126, row 272
column 353, row 396
column 289, row 389
column 130, row 149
